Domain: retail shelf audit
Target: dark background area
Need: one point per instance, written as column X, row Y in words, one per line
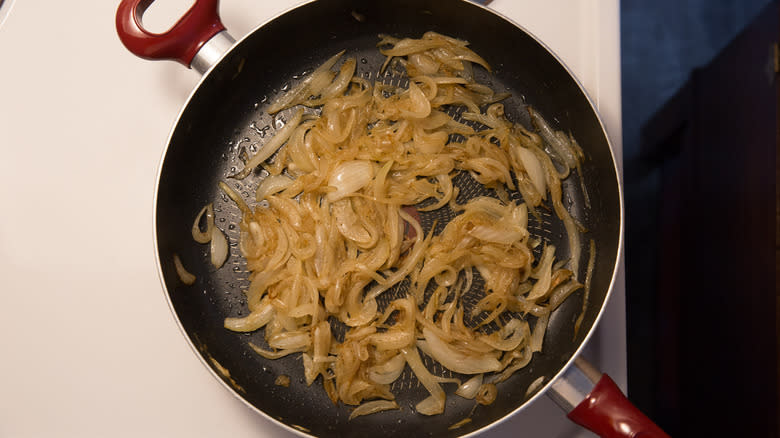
column 700, row 148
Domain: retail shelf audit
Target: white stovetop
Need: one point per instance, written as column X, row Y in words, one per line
column 89, row 347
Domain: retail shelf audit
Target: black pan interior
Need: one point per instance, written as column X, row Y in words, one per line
column 226, row 117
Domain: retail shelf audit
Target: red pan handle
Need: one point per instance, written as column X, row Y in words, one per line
column 608, row 413
column 180, row 43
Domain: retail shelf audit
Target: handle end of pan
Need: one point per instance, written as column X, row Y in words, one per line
column 180, row 43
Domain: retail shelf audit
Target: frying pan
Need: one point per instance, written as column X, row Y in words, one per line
column 225, row 118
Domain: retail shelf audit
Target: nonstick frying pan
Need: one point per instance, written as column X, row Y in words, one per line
column 225, row 117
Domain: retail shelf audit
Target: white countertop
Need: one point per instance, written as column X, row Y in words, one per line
column 89, row 346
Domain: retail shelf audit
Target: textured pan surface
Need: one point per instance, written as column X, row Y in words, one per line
column 226, row 116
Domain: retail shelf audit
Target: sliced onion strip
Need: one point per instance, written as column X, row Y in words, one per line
column 434, row 404
column 272, row 185
column 185, row 276
column 373, row 407
column 203, row 236
column 470, row 387
column 268, row 149
column 537, row 336
column 457, row 361
column 536, row 384
column 218, row 248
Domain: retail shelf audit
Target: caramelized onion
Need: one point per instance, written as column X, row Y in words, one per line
column 342, row 222
column 373, row 407
column 457, row 361
column 487, row 394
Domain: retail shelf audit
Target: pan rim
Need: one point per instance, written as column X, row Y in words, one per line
column 562, row 370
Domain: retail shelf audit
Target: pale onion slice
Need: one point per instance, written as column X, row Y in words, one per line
column 303, row 310
column 509, row 336
column 573, row 233
column 431, row 405
column 322, row 340
column 203, row 236
column 303, row 158
column 379, row 181
column 389, row 371
column 460, row 424
column 436, row 119
column 235, row 197
column 537, row 337
column 407, row 46
column 580, row 157
column 185, row 276
column 556, row 139
column 392, row 339
column 304, row 88
column 290, row 340
column 268, row 149
column 486, row 204
column 272, row 185
column 255, row 320
column 339, row 85
column 430, row 143
column 543, row 272
column 349, row 177
column 424, row 63
column 316, row 364
column 435, row 403
column 504, row 236
column 410, row 262
column 274, row 354
column 318, row 83
column 419, row 106
column 562, row 292
column 348, row 222
column 219, row 248
column 520, row 215
column 310, row 370
column 373, row 407
column 287, row 209
column 588, row 278
column 470, row 387
column 533, row 168
column 534, row 386
column 457, row 361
